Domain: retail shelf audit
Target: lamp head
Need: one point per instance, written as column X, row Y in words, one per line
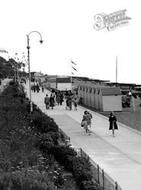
column 41, row 41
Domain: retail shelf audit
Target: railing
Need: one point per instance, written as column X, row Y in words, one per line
column 99, row 175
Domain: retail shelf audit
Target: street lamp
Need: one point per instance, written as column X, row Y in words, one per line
column 28, row 60
column 17, row 61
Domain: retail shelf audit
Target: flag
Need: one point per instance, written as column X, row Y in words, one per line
column 72, row 73
column 73, row 62
column 74, row 68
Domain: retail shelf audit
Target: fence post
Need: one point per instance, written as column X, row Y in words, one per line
column 103, row 178
column 98, row 174
column 116, row 186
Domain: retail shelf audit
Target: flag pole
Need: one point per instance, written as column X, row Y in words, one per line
column 71, row 74
column 116, row 69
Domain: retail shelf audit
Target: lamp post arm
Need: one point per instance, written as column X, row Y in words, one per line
column 41, row 41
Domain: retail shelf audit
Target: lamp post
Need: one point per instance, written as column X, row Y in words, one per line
column 17, row 61
column 28, row 60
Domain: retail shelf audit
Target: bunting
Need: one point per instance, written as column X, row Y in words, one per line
column 73, row 63
column 73, row 67
column 72, row 73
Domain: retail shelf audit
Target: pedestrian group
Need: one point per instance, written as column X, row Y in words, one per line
column 57, row 98
column 71, row 100
column 87, row 120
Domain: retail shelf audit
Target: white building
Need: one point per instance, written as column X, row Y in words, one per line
column 101, row 98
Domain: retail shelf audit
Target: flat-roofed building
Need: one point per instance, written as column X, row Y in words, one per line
column 101, row 98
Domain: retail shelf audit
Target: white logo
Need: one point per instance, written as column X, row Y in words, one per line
column 110, row 21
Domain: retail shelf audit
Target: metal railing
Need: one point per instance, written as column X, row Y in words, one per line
column 99, row 175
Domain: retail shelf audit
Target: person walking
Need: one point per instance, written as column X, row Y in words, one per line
column 53, row 94
column 38, row 88
column 58, row 98
column 61, row 98
column 42, row 88
column 69, row 100
column 46, row 101
column 75, row 101
column 66, row 97
column 89, row 119
column 84, row 123
column 52, row 101
column 113, row 123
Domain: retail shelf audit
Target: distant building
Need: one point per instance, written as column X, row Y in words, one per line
column 39, row 77
column 63, row 83
column 59, row 83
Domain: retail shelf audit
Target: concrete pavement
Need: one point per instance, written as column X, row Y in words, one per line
column 119, row 156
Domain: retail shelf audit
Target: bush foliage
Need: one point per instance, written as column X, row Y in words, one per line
column 27, row 141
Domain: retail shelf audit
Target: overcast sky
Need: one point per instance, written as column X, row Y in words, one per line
column 67, row 30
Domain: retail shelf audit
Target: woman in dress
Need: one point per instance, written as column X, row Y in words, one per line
column 113, row 123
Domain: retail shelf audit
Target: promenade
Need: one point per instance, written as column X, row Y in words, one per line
column 119, row 156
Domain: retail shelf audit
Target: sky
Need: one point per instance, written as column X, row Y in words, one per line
column 67, row 30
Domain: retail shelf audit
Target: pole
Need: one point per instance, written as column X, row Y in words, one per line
column 71, row 82
column 98, row 174
column 116, row 186
column 28, row 60
column 103, row 179
column 116, row 69
column 71, row 75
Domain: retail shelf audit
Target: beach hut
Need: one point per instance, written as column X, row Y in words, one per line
column 111, row 99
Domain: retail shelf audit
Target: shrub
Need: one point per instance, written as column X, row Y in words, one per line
column 81, row 169
column 15, row 90
column 45, row 142
column 79, row 166
column 55, row 136
column 64, row 155
column 89, row 185
column 25, row 180
column 20, row 132
column 41, row 123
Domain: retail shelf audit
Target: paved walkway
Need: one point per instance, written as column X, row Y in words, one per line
column 119, row 156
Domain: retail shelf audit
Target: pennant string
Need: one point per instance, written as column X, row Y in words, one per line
column 73, row 62
column 74, row 68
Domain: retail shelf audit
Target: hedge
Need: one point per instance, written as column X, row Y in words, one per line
column 39, row 131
